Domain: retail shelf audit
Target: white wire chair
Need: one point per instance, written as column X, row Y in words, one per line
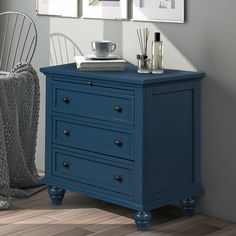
column 62, row 49
column 18, row 40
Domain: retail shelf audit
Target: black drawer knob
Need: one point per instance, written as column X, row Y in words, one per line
column 65, row 165
column 117, row 142
column 117, row 108
column 66, row 100
column 90, row 83
column 118, row 178
column 66, row 132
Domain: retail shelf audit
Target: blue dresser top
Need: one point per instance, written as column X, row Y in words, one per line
column 128, row 76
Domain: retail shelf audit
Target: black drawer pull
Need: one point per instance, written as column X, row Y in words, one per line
column 118, row 178
column 117, row 108
column 90, row 83
column 65, row 165
column 118, row 143
column 66, row 100
column 66, row 132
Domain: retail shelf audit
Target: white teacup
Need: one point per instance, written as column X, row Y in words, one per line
column 103, row 48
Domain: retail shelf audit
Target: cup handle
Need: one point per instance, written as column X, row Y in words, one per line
column 114, row 47
column 92, row 45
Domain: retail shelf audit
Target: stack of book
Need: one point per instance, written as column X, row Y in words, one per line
column 92, row 63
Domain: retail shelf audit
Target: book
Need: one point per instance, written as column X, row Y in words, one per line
column 85, row 63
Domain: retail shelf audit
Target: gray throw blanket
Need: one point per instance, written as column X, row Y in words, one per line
column 19, row 111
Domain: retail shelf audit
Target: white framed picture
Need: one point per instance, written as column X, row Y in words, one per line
column 63, row 8
column 159, row 10
column 105, row 9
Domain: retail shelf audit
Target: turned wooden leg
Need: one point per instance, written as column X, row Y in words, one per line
column 56, row 194
column 188, row 206
column 142, row 219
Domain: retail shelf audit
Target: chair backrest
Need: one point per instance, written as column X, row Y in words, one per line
column 62, row 49
column 18, row 39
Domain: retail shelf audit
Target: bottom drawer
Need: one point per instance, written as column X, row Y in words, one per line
column 78, row 167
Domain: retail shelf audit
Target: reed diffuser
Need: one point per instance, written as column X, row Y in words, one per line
column 143, row 60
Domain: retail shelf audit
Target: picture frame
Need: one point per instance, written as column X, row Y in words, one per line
column 158, row 10
column 105, row 9
column 58, row 8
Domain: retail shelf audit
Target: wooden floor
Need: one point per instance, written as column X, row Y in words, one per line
column 80, row 216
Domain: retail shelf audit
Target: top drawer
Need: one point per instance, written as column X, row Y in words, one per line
column 93, row 103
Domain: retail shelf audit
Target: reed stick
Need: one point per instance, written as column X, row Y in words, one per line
column 143, row 35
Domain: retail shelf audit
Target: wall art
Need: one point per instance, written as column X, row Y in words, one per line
column 63, row 8
column 105, row 9
column 159, row 10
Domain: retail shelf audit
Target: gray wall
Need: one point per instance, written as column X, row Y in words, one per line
column 205, row 42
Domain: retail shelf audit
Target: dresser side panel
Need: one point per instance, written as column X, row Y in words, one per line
column 171, row 160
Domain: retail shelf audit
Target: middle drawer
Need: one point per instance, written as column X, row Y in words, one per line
column 93, row 138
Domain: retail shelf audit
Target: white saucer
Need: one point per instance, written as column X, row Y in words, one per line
column 109, row 57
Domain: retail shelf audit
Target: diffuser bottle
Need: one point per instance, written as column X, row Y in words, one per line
column 157, row 55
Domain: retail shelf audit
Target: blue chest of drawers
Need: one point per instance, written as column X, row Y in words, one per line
column 122, row 137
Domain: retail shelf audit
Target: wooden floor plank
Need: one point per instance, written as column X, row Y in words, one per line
column 217, row 222
column 10, row 210
column 13, row 228
column 198, row 230
column 38, row 220
column 46, row 230
column 148, row 233
column 183, row 223
column 117, row 231
column 229, row 230
column 19, row 215
column 107, row 224
column 74, row 232
column 84, row 216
